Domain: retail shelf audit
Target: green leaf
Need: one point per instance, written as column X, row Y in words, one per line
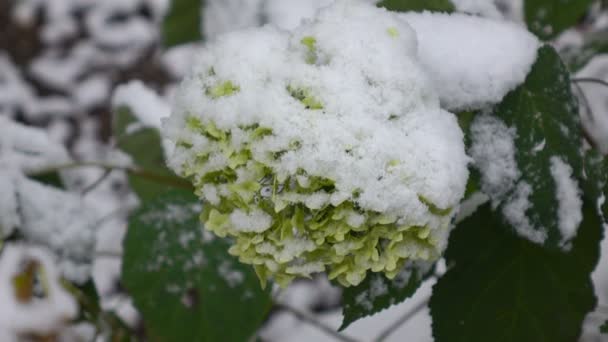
column 183, row 22
column 49, row 178
column 500, row 287
column 548, row 18
column 143, row 144
column 595, row 179
column 417, row 5
column 545, row 114
column 576, row 57
column 187, row 287
column 377, row 293
column 604, row 328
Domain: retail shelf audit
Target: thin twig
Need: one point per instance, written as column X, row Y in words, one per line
column 97, row 182
column 406, row 317
column 314, row 322
column 590, row 80
column 588, row 110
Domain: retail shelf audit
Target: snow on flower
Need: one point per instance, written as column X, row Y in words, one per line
column 320, row 149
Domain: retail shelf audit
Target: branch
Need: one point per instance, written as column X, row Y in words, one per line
column 406, row 317
column 97, row 182
column 590, row 80
column 314, row 322
column 589, row 111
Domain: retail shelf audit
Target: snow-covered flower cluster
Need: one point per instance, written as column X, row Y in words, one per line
column 321, row 149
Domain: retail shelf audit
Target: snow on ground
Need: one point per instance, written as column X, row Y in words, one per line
column 284, row 327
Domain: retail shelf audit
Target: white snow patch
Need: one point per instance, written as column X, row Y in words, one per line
column 143, row 102
column 42, row 315
column 231, row 276
column 493, row 149
column 469, row 66
column 254, row 221
column 568, row 198
column 515, row 209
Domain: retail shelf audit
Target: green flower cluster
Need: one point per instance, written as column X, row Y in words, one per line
column 298, row 236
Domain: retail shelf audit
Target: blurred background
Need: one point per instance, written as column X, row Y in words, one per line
column 62, row 62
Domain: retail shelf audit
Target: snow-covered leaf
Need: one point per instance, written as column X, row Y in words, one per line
column 500, row 287
column 187, row 287
column 183, row 22
column 377, row 293
column 528, row 154
column 548, row 18
column 417, row 5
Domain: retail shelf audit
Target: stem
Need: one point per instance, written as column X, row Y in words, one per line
column 590, row 80
column 314, row 322
column 96, row 183
column 406, row 317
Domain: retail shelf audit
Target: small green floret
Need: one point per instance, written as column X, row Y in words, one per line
column 311, row 45
column 303, row 236
column 433, row 208
column 225, row 88
column 392, row 31
column 305, row 97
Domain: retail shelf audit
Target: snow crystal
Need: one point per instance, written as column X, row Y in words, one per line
column 568, row 198
column 41, row 314
column 515, row 209
column 469, row 67
column 377, row 287
column 143, row 102
column 307, row 268
column 231, row 276
column 173, row 213
column 493, row 149
column 255, row 221
column 363, row 300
